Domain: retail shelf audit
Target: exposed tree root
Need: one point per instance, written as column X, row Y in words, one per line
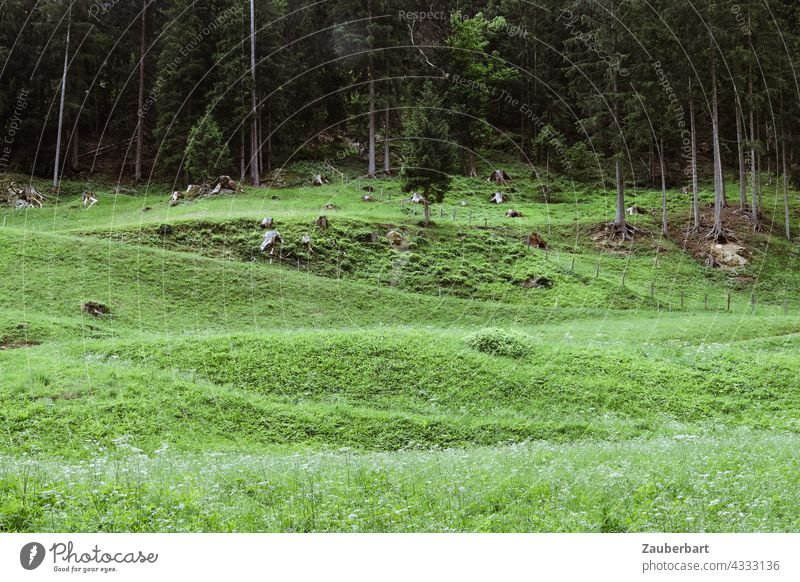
column 720, row 235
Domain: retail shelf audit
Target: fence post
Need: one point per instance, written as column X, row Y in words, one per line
column 705, row 300
column 681, row 298
column 753, row 303
column 652, row 290
column 728, row 308
column 597, row 271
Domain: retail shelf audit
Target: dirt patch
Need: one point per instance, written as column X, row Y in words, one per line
column 537, row 283
column 734, row 253
column 96, row 309
column 8, row 343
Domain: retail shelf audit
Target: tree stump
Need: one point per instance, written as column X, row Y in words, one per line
column 498, row 177
column 322, row 222
column 497, row 198
column 268, row 223
column 511, row 213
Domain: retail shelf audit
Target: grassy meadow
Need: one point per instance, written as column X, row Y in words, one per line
column 361, row 385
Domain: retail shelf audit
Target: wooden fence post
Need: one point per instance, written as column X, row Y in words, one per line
column 597, row 271
column 728, row 308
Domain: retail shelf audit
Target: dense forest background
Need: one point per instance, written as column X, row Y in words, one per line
column 604, row 89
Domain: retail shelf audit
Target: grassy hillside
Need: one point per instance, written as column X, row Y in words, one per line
column 370, row 386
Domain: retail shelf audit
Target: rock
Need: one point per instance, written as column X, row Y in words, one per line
column 267, row 222
column 635, row 210
column 417, row 198
column 367, row 198
column 511, row 213
column 319, row 180
column 497, row 198
column 728, row 255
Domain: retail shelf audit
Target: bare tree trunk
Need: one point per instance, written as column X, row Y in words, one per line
column 619, row 217
column 242, row 155
column 785, row 190
column 753, row 192
column 56, row 174
column 371, row 138
column 695, row 193
column 76, row 144
column 742, row 164
column 260, row 140
column 269, row 138
column 137, row 171
column 254, row 173
column 718, row 231
column 387, row 166
column 470, row 171
column 664, row 224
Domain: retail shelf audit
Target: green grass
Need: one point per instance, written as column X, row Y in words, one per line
column 363, row 387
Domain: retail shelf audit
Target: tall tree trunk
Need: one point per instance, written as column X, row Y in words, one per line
column 785, row 190
column 664, row 224
column 742, row 163
column 56, row 172
column 254, row 170
column 137, row 171
column 693, row 133
column 387, row 166
column 619, row 217
column 242, row 155
column 371, row 137
column 718, row 231
column 753, row 192
column 76, row 144
column 427, row 211
column 269, row 137
column 260, row 140
column 470, row 171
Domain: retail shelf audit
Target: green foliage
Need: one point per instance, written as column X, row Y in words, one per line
column 207, row 152
column 499, row 342
column 429, row 156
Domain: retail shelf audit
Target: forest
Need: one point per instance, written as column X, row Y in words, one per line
column 620, row 93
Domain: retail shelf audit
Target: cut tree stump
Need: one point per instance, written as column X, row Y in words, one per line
column 322, row 222
column 536, row 240
column 96, row 309
column 498, row 177
column 497, row 198
column 271, row 238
